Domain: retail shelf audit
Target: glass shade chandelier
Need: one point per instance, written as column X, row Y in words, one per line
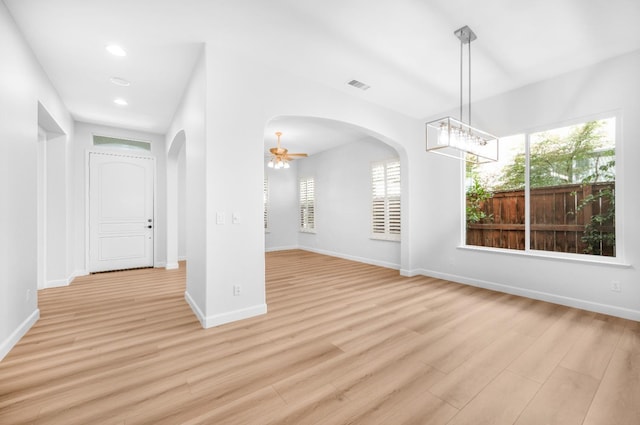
column 278, row 163
column 453, row 137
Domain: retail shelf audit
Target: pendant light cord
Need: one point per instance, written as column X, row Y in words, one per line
column 461, row 49
column 469, row 117
column 462, row 38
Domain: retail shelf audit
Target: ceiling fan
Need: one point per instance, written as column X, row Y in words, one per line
column 280, row 156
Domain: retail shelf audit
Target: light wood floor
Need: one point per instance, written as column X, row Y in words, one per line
column 343, row 343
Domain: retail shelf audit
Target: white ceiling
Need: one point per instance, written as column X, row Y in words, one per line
column 310, row 135
column 404, row 49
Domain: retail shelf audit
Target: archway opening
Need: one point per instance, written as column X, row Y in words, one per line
column 52, row 226
column 344, row 199
column 176, row 201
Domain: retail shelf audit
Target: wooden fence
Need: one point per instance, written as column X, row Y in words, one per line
column 557, row 224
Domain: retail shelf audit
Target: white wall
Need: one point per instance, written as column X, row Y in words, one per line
column 283, row 208
column 190, row 118
column 58, row 210
column 23, row 84
column 343, row 203
column 612, row 86
column 83, row 143
column 182, row 205
column 242, row 96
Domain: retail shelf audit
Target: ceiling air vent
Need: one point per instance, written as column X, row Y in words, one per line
column 359, row 85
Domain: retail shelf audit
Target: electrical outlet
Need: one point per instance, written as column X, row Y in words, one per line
column 236, row 290
column 615, row 286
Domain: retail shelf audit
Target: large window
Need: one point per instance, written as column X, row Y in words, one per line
column 551, row 191
column 307, row 205
column 385, row 200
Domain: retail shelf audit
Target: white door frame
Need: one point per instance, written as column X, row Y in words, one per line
column 52, row 140
column 87, row 218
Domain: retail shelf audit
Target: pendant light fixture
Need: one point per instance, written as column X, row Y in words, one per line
column 453, row 137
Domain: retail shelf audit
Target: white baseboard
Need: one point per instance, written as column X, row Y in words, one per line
column 379, row 263
column 227, row 317
column 182, row 258
column 281, row 248
column 56, row 283
column 159, row 264
column 194, row 307
column 234, row 316
column 172, row 266
column 407, row 273
column 79, row 273
column 12, row 340
column 611, row 310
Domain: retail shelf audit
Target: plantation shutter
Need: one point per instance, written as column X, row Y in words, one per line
column 307, row 205
column 265, row 201
column 378, row 221
column 385, row 207
column 393, row 197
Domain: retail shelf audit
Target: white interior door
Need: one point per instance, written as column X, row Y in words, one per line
column 120, row 212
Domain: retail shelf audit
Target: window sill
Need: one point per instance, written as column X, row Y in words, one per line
column 385, row 238
column 554, row 256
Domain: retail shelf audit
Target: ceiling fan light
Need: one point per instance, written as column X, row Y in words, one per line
column 280, row 158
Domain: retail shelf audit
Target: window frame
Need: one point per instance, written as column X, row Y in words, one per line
column 619, row 259
column 387, row 235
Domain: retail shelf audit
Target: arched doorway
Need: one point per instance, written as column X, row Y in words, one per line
column 52, row 226
column 343, row 161
column 176, row 201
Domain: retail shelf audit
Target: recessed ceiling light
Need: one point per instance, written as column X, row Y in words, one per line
column 116, row 50
column 120, row 81
column 121, row 102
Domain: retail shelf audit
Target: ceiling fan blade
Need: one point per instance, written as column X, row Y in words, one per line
column 298, row 154
column 278, row 151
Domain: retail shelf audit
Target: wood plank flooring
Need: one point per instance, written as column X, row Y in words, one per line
column 343, row 343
